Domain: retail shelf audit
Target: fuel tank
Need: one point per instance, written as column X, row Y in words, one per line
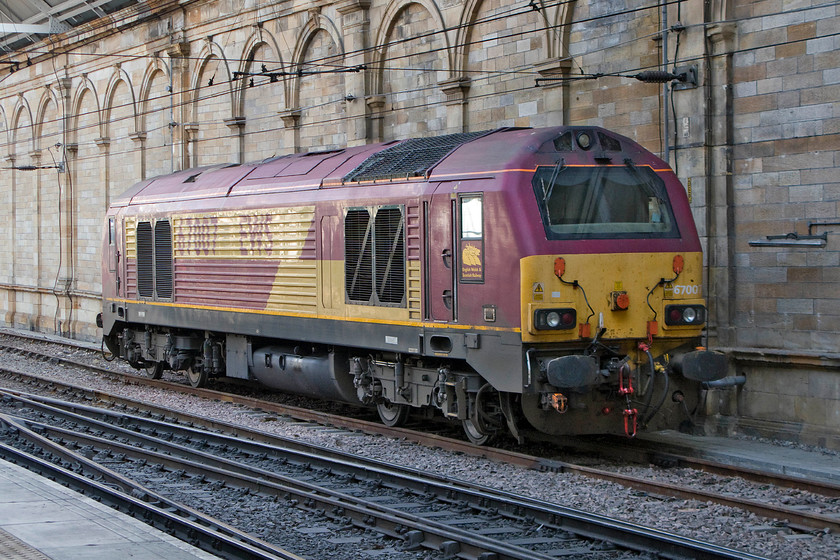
column 323, row 376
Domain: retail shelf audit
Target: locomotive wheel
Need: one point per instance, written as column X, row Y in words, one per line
column 393, row 415
column 475, row 435
column 197, row 377
column 154, row 369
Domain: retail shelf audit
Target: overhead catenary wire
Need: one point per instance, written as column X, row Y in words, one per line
column 417, row 37
column 592, row 76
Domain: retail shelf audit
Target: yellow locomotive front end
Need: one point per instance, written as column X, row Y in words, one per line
column 613, row 341
column 611, row 300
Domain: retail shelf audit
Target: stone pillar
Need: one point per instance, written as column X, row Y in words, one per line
column 555, row 92
column 179, row 67
column 69, row 234
column 720, row 203
column 237, row 130
column 189, row 139
column 139, row 139
column 291, row 121
column 36, row 320
column 376, row 106
column 355, row 24
column 456, row 90
column 11, row 303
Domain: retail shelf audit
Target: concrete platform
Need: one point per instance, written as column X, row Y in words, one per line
column 783, row 458
column 42, row 520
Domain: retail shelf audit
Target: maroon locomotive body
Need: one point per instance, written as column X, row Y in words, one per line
column 548, row 278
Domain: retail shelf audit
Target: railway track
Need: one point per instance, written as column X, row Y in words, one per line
column 457, row 518
column 794, row 517
column 22, row 445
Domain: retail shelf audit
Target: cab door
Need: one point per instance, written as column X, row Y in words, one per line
column 441, row 266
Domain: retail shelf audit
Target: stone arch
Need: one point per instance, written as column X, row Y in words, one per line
column 314, row 24
column 49, row 133
column 389, row 20
column 85, row 87
column 213, row 131
column 492, row 41
column 7, row 201
column 24, row 201
column 154, row 103
column 259, row 106
column 89, row 174
column 260, row 38
column 4, row 125
column 156, row 66
column 118, row 77
column 210, row 51
column 410, row 92
column 556, row 19
column 22, row 110
column 120, row 142
column 320, row 123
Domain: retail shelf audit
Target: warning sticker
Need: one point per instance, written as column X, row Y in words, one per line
column 538, row 291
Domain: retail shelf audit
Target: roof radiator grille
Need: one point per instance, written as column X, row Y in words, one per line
column 410, row 158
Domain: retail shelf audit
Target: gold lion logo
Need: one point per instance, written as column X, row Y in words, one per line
column 471, row 256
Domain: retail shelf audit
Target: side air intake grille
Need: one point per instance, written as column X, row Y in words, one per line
column 163, row 260
column 390, row 255
column 358, row 256
column 374, row 256
column 411, row 158
column 145, row 258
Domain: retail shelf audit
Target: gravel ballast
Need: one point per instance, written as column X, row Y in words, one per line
column 722, row 525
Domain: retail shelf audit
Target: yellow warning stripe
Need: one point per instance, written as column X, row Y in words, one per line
column 313, row 316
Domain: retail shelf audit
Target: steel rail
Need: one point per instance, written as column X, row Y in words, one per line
column 575, row 521
column 794, row 517
column 187, row 524
column 388, row 521
column 797, row 519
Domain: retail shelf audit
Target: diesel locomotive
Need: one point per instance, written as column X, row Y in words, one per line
column 510, row 280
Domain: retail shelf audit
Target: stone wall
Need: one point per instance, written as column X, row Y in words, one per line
column 170, row 85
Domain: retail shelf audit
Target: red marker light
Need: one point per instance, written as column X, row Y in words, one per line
column 559, row 267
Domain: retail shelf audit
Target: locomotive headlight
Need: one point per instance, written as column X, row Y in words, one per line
column 555, row 319
column 685, row 315
column 584, row 140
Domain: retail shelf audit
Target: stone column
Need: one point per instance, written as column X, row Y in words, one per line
column 355, row 25
column 69, row 235
column 720, row 209
column 376, row 106
column 11, row 304
column 189, row 138
column 555, row 92
column 237, row 130
column 37, row 319
column 291, row 121
column 179, row 52
column 139, row 139
column 456, row 90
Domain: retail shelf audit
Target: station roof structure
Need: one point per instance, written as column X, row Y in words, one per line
column 24, row 22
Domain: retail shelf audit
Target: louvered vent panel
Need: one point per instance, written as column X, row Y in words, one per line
column 358, row 256
column 389, row 236
column 145, row 258
column 411, row 158
column 163, row 260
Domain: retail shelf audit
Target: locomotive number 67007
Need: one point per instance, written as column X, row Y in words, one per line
column 515, row 279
